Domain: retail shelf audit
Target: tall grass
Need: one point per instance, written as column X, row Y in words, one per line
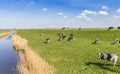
column 78, row 56
column 4, row 33
column 29, row 62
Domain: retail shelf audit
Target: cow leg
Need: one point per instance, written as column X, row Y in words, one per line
column 103, row 62
column 115, row 61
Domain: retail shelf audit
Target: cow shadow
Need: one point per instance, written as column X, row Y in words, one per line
column 101, row 66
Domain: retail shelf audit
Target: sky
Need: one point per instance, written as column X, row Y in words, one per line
column 29, row 14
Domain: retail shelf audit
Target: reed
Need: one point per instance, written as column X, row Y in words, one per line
column 29, row 62
column 4, row 34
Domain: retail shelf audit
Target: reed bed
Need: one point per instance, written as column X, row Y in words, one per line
column 29, row 62
column 4, row 34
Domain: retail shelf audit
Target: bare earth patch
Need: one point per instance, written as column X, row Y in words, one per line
column 29, row 62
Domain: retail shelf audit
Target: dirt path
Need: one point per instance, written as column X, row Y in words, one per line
column 29, row 62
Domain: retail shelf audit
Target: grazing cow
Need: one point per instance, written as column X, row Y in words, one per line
column 118, row 27
column 63, row 28
column 110, row 28
column 41, row 34
column 108, row 57
column 64, row 36
column 97, row 41
column 71, row 37
column 116, row 41
column 47, row 40
column 61, row 36
column 80, row 28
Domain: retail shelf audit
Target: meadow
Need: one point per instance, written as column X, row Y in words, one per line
column 78, row 56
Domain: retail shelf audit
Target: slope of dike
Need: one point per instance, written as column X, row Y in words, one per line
column 4, row 34
column 29, row 62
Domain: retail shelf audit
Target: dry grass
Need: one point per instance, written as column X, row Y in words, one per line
column 29, row 62
column 4, row 34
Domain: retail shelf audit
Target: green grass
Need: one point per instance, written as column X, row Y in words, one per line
column 78, row 56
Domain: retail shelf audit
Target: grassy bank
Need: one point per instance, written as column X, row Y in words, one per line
column 4, row 33
column 78, row 56
column 29, row 62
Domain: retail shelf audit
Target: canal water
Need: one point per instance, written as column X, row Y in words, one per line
column 8, row 56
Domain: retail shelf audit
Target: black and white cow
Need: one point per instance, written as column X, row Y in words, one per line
column 108, row 57
column 110, row 28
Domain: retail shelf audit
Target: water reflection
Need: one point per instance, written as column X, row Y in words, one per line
column 8, row 57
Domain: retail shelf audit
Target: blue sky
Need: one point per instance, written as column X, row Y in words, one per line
column 59, row 13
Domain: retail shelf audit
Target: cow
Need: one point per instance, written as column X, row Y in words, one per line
column 47, row 40
column 63, row 28
column 108, row 57
column 118, row 27
column 79, row 28
column 71, row 37
column 61, row 36
column 110, row 28
column 97, row 41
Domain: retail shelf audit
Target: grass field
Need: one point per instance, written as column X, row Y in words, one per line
column 78, row 56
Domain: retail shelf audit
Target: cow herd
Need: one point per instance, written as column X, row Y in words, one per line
column 61, row 36
column 109, row 28
column 97, row 41
column 103, row 56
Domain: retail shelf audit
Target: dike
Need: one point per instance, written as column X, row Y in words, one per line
column 4, row 34
column 29, row 62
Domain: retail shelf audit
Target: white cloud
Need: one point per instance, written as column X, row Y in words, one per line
column 60, row 13
column 85, row 13
column 83, row 16
column 118, row 10
column 44, row 9
column 65, row 16
column 103, row 13
column 105, row 8
column 89, row 19
column 89, row 12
